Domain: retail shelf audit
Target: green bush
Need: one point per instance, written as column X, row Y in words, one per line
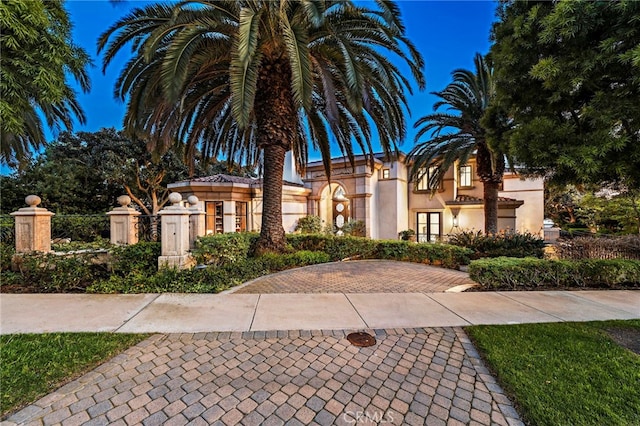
column 51, row 273
column 309, row 225
column 511, row 244
column 7, row 229
column 206, row 280
column 355, row 228
column 137, row 258
column 6, row 253
column 506, row 273
column 339, row 248
column 222, row 249
column 80, row 227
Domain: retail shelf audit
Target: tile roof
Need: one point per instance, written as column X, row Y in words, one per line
column 222, row 178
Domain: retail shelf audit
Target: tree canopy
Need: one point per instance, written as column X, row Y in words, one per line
column 37, row 56
column 568, row 74
column 258, row 78
column 85, row 172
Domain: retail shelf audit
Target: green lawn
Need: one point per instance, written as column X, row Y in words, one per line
column 565, row 373
column 31, row 365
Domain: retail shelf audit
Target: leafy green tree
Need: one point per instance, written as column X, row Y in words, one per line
column 456, row 134
column 85, row 172
column 568, row 74
column 254, row 79
column 601, row 208
column 37, row 55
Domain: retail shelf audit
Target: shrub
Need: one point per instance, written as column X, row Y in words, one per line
column 80, row 227
column 407, row 234
column 355, row 228
column 51, row 273
column 206, row 280
column 309, row 225
column 222, row 249
column 511, row 244
column 137, row 258
column 505, row 273
column 6, row 253
column 7, row 230
column 591, row 247
column 339, row 248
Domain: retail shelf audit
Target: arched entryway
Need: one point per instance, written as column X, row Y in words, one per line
column 335, row 207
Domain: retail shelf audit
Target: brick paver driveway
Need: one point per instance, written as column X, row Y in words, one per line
column 362, row 276
column 411, row 376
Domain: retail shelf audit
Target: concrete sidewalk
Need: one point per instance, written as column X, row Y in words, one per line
column 194, row 313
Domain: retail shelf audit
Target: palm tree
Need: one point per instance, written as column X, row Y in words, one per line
column 457, row 134
column 254, row 79
column 37, row 56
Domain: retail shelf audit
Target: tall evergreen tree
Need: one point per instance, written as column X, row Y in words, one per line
column 253, row 79
column 568, row 74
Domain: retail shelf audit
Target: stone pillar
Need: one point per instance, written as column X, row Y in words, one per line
column 123, row 223
column 196, row 220
column 33, row 227
column 175, row 235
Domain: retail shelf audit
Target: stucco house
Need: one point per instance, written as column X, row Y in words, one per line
column 382, row 197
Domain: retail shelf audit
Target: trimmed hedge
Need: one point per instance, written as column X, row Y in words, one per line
column 208, row 279
column 506, row 273
column 347, row 247
column 223, row 249
column 512, row 244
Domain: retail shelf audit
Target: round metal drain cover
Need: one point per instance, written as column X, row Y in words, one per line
column 361, row 339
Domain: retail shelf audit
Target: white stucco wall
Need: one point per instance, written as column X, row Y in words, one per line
column 531, row 214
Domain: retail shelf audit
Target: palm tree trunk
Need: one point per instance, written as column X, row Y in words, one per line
column 490, row 171
column 276, row 120
column 272, row 237
column 491, row 207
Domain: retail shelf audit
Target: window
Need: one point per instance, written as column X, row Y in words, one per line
column 214, row 217
column 385, row 174
column 423, row 182
column 429, row 227
column 241, row 216
column 465, row 180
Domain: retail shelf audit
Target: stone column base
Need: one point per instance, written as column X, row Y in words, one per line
column 185, row 261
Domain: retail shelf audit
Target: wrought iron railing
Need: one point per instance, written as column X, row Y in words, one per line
column 149, row 228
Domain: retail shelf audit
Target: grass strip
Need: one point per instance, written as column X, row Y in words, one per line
column 32, row 365
column 565, row 373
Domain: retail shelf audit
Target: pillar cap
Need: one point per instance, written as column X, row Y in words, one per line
column 124, row 200
column 32, row 200
column 32, row 210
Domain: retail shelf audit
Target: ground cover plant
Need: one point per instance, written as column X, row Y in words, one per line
column 506, row 273
column 565, row 373
column 35, row 364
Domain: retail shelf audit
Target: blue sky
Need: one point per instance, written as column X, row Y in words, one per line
column 447, row 33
